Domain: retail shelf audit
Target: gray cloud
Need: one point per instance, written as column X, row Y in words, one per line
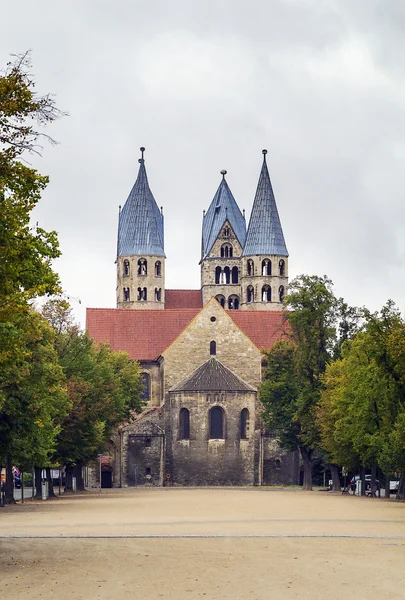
column 205, row 86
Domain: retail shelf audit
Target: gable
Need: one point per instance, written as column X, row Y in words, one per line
column 192, row 347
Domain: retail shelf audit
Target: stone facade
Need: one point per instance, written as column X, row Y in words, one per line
column 201, row 371
column 141, row 282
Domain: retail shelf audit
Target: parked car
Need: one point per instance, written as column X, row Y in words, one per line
column 394, row 484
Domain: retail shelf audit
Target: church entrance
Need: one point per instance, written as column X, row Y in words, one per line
column 106, row 478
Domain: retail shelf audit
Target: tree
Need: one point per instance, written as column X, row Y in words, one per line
column 25, row 253
column 104, row 389
column 361, row 412
column 34, row 399
column 312, row 317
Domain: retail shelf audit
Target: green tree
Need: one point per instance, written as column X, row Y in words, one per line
column 34, row 397
column 312, row 315
column 361, row 412
column 104, row 388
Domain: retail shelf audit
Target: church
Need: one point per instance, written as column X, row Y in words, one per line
column 200, row 350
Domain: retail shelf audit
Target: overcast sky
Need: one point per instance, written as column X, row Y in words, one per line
column 204, row 86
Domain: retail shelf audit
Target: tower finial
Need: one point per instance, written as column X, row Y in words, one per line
column 264, row 152
column 223, row 173
column 142, row 149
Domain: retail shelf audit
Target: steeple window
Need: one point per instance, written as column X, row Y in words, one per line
column 281, row 292
column 250, row 294
column 127, row 294
column 158, row 268
column 184, row 429
column 126, row 267
column 250, row 268
column 281, row 266
column 216, row 420
column 158, row 294
column 266, row 267
column 226, row 232
column 213, row 348
column 266, row 293
column 244, row 423
column 142, row 267
column 218, row 272
column 227, row 274
column 226, row 251
column 235, row 275
column 221, row 300
column 142, row 294
column 233, row 302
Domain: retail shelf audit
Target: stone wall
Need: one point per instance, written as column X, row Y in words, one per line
column 279, row 467
column 192, row 348
column 152, row 368
column 204, row 461
column 133, row 280
column 143, row 445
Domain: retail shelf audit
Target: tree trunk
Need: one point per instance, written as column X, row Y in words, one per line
column 373, row 485
column 334, row 469
column 387, row 485
column 50, row 483
column 363, row 480
column 68, row 479
column 9, row 484
column 78, row 473
column 306, row 454
column 38, row 482
column 401, row 489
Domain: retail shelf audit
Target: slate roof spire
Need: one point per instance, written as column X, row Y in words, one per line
column 223, row 207
column 264, row 235
column 140, row 225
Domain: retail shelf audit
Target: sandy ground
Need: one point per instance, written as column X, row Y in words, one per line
column 71, row 547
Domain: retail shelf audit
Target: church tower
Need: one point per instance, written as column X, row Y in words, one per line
column 140, row 248
column 223, row 238
column 264, row 258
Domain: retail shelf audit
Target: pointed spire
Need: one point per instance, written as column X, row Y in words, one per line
column 223, row 207
column 140, row 228
column 265, row 234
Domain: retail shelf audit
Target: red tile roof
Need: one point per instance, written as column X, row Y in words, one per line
column 183, row 299
column 145, row 334
column 264, row 328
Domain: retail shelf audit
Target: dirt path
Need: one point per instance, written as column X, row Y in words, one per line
column 287, row 565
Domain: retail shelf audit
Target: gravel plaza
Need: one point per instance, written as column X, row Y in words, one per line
column 216, row 543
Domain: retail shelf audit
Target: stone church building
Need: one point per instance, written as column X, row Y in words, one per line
column 200, row 350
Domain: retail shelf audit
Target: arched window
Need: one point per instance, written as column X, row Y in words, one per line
column 213, row 348
column 226, row 251
column 142, row 267
column 158, row 294
column 250, row 268
column 227, row 273
column 145, row 380
column 244, row 423
column 226, row 231
column 147, row 471
column 235, row 275
column 281, row 292
column 216, row 418
column 126, row 267
column 266, row 293
column 281, row 266
column 127, row 294
column 233, row 302
column 218, row 272
column 184, row 424
column 158, row 268
column 266, row 267
column 249, row 294
column 221, row 300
